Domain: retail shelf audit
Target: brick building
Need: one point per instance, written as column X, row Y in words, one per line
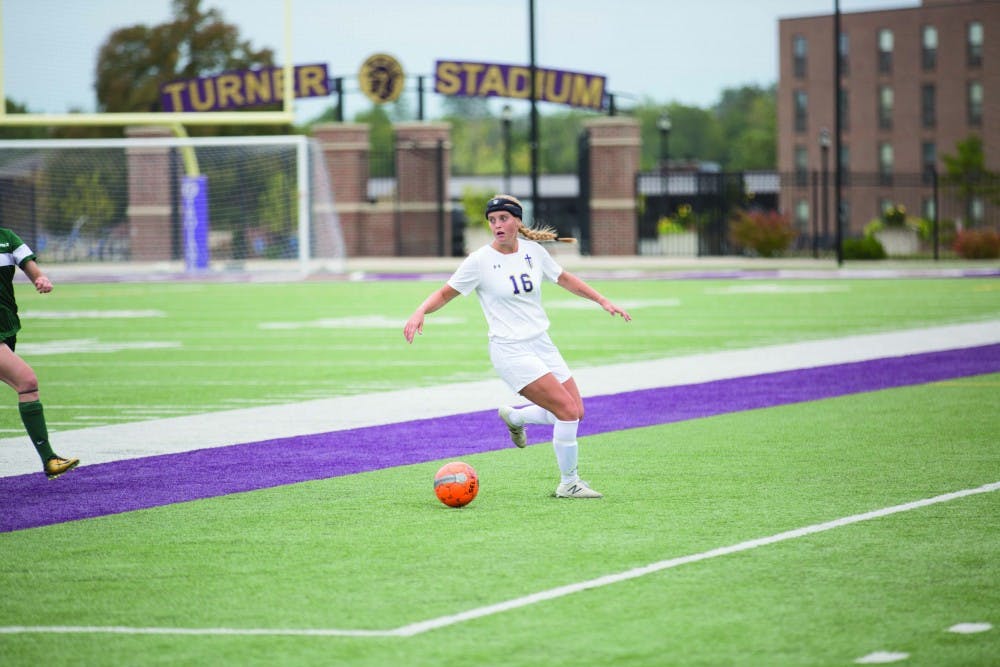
column 914, row 82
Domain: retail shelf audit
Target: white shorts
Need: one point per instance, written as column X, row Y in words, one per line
column 520, row 363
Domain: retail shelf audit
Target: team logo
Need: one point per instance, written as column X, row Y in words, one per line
column 527, row 260
column 381, row 78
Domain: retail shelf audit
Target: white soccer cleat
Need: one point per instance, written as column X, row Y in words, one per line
column 577, row 489
column 517, row 434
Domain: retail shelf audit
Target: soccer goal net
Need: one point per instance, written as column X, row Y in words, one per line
column 191, row 204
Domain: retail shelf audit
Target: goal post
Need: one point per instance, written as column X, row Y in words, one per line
column 261, row 203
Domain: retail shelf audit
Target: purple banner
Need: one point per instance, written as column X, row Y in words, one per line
column 471, row 79
column 194, row 216
column 246, row 88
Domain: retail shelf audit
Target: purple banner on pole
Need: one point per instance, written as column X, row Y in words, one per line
column 471, row 79
column 194, row 216
column 244, row 88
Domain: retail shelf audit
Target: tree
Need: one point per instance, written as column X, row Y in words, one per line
column 380, row 139
column 14, row 132
column 135, row 61
column 966, row 172
column 747, row 119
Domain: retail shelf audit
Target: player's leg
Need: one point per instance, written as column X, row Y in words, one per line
column 562, row 399
column 16, row 372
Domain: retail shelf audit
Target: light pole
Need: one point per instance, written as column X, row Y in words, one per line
column 506, row 115
column 663, row 124
column 824, row 149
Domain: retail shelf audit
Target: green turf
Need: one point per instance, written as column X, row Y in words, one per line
column 239, row 345
column 377, row 551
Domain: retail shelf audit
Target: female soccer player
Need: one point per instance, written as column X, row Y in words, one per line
column 14, row 370
column 507, row 276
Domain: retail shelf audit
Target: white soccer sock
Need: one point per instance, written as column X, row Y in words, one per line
column 564, row 444
column 533, row 414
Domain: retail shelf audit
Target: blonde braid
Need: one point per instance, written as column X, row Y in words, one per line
column 540, row 233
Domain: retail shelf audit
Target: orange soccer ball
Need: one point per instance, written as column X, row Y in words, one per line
column 456, row 484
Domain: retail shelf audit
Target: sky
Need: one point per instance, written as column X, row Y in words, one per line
column 663, row 51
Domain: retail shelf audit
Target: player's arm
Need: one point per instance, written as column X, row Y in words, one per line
column 436, row 301
column 577, row 286
column 38, row 279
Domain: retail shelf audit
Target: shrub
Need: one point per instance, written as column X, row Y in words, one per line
column 867, row 247
column 894, row 216
column 978, row 244
column 767, row 234
column 685, row 219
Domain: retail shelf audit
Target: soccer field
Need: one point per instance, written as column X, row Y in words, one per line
column 767, row 522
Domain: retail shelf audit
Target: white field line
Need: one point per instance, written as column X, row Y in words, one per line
column 421, row 627
column 171, row 435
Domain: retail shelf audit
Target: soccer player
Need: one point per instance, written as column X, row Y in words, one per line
column 507, row 276
column 14, row 370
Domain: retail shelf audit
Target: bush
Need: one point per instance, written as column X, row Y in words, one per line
column 867, row 247
column 978, row 244
column 767, row 234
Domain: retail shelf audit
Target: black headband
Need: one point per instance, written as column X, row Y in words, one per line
column 501, row 204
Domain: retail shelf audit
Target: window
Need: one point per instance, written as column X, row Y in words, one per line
column 975, row 103
column 801, row 111
column 885, row 103
column 802, row 214
column 885, row 162
column 843, row 49
column 928, row 158
column 801, row 165
column 974, row 44
column 927, row 209
column 977, row 210
column 845, row 164
column 845, row 108
column 930, row 44
column 800, row 51
column 928, row 105
column 885, row 42
column 845, row 213
column 884, row 205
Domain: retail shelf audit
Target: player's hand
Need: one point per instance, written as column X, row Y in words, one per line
column 615, row 310
column 414, row 326
column 43, row 284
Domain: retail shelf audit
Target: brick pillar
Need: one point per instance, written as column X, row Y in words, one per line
column 345, row 151
column 615, row 146
column 423, row 157
column 149, row 204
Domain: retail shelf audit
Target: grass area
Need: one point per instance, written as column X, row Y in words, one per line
column 377, row 551
column 200, row 347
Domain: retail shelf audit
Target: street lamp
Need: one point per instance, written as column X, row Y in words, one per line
column 506, row 115
column 663, row 125
column 824, row 148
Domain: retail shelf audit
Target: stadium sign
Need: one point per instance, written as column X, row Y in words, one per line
column 381, row 78
column 246, row 88
column 472, row 79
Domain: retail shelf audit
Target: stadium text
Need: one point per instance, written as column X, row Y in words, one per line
column 248, row 88
column 469, row 79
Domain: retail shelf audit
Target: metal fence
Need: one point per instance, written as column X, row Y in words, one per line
column 937, row 207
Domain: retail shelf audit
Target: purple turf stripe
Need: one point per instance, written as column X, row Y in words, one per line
column 28, row 501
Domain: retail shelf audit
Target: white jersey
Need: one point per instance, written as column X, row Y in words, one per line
column 509, row 288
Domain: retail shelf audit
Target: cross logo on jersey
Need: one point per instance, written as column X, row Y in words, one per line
column 527, row 259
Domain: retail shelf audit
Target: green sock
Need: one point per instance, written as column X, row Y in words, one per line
column 34, row 424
